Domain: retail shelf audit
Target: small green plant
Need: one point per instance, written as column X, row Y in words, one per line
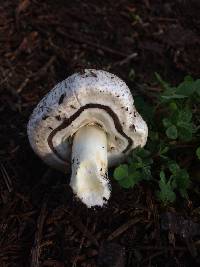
column 179, row 124
column 178, row 103
column 138, row 169
column 166, row 189
column 177, row 179
column 173, row 135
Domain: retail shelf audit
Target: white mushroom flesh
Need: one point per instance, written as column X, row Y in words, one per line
column 90, row 165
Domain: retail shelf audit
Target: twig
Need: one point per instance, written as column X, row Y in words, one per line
column 6, row 178
column 158, row 248
column 36, row 76
column 36, row 249
column 123, row 228
column 79, row 250
column 126, row 60
column 90, row 43
column 163, row 19
column 23, row 85
column 152, row 256
column 44, row 69
column 83, row 229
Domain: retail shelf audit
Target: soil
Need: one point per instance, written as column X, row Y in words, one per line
column 43, row 42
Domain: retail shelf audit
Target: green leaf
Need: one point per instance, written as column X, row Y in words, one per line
column 172, row 132
column 166, row 193
column 136, row 177
column 188, row 78
column 171, row 95
column 135, row 165
column 185, row 115
column 126, row 183
column 173, row 106
column 163, row 150
column 162, row 176
column 146, row 173
column 198, row 152
column 164, row 84
column 130, row 180
column 121, row 172
column 166, row 122
column 185, row 132
column 174, row 167
column 174, row 117
column 186, row 88
column 186, row 125
column 182, row 179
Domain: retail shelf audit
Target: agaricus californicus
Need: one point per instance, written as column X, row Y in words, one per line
column 86, row 124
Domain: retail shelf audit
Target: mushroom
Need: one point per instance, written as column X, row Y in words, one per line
column 86, row 124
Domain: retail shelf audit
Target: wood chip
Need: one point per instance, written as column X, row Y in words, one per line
column 123, row 228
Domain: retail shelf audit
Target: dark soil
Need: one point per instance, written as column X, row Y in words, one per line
column 41, row 43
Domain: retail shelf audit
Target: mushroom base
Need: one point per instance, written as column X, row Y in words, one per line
column 89, row 179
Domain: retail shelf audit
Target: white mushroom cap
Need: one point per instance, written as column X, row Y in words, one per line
column 91, row 97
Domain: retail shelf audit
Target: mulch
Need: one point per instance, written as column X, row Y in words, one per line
column 43, row 42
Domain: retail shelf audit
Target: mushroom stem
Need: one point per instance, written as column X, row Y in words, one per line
column 90, row 165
